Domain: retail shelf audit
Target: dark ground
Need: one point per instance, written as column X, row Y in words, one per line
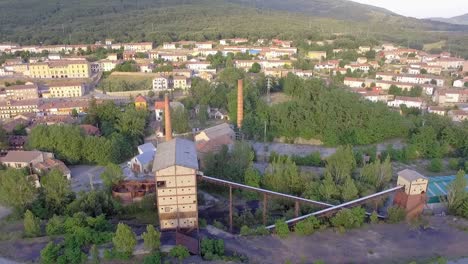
column 381, row 243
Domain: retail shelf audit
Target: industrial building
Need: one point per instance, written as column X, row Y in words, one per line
column 175, row 167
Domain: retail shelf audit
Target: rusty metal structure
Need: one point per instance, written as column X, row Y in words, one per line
column 133, row 191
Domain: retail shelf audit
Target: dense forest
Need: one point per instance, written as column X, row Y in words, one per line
column 52, row 22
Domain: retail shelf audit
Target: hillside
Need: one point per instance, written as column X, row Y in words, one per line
column 62, row 21
column 338, row 9
column 459, row 20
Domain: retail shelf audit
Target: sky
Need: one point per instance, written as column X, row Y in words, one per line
column 422, row 8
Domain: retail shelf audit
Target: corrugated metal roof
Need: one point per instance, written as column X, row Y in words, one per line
column 438, row 187
column 178, row 151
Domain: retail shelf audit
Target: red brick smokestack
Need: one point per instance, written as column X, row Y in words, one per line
column 167, row 118
column 240, row 103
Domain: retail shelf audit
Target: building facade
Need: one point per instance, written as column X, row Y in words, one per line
column 175, row 167
column 60, row 69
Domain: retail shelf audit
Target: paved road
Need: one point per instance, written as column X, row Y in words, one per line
column 303, row 150
column 84, row 175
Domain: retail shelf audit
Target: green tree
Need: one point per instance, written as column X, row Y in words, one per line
column 124, row 239
column 180, row 120
column 55, row 226
column 32, row 224
column 374, row 218
column 256, row 68
column 341, row 164
column 457, row 197
column 396, row 214
column 151, row 238
column 252, row 177
column 328, row 189
column 50, row 253
column 3, row 138
column 16, row 189
column 111, row 176
column 56, row 188
column 349, row 191
column 436, row 165
column 154, row 258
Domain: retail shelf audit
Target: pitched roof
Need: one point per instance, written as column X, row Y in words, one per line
column 21, row 156
column 140, row 99
column 147, row 147
column 176, row 152
column 218, row 130
column 411, row 175
column 145, row 157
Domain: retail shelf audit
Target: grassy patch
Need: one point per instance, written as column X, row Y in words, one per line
column 126, row 82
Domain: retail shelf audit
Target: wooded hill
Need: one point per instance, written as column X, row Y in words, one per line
column 60, row 21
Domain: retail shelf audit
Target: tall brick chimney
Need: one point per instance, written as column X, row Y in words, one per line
column 240, row 103
column 167, row 118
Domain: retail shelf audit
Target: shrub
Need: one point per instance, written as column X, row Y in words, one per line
column 212, row 249
column 50, row 253
column 435, row 165
column 245, row 231
column 307, row 226
column 282, row 229
column 218, row 225
column 32, row 224
column 202, row 222
column 124, row 239
column 374, row 218
column 151, row 238
column 454, row 164
column 155, row 258
column 349, row 218
column 396, row 214
column 179, row 252
column 55, row 226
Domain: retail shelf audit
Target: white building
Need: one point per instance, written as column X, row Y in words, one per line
column 162, row 83
column 408, row 101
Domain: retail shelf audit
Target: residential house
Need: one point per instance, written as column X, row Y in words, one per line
column 414, row 102
column 461, row 83
column 49, row 164
column 141, row 103
column 197, row 65
column 450, row 96
column 364, row 49
column 22, row 92
column 143, row 162
column 67, row 89
column 458, row 115
column 214, row 138
column 317, row 55
column 24, row 159
column 354, row 82
column 450, row 63
column 438, row 110
column 217, row 113
column 204, row 45
column 60, row 69
column 63, row 107
column 12, row 108
column 162, row 83
column 181, row 82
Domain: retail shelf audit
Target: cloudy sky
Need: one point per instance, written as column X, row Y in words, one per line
column 422, row 8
